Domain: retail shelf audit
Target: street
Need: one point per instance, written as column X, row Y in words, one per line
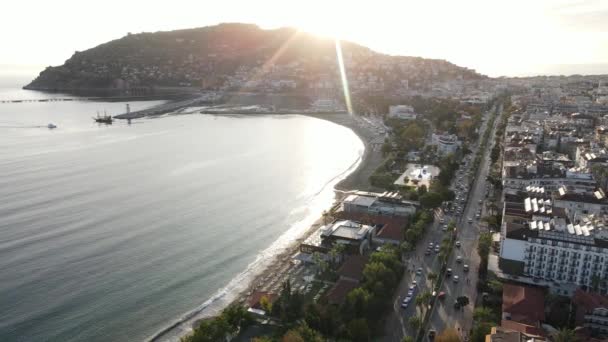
column 444, row 315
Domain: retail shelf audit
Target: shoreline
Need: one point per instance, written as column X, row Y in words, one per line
column 281, row 263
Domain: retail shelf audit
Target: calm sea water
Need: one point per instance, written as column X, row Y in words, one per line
column 111, row 233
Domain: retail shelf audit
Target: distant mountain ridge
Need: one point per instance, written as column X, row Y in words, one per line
column 238, row 57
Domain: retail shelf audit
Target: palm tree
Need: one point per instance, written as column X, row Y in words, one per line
column 564, row 335
column 432, row 277
column 415, row 322
column 336, row 252
column 483, row 314
column 423, row 300
column 325, row 216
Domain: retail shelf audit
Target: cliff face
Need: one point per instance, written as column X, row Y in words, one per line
column 236, row 57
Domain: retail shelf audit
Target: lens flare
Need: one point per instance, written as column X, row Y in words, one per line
column 340, row 58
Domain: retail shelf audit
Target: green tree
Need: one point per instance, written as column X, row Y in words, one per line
column 415, row 322
column 463, row 300
column 302, row 333
column 430, row 200
column 358, row 330
column 406, row 247
column 423, row 300
column 357, row 302
column 564, row 335
column 266, row 304
column 379, row 278
column 483, row 246
column 479, row 331
column 483, row 314
column 432, row 277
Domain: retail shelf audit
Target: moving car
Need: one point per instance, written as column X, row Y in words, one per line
column 458, row 244
column 459, row 259
column 455, row 278
column 465, row 268
column 448, row 272
column 419, row 271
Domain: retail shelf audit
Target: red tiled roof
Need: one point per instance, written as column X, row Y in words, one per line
column 353, row 267
column 254, row 300
column 525, row 304
column 587, row 301
column 522, row 328
column 373, row 219
column 341, row 289
column 391, row 231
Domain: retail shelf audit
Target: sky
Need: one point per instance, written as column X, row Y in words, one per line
column 494, row 37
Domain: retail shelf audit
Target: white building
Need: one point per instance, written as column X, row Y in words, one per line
column 402, row 112
column 388, row 204
column 446, row 143
column 541, row 246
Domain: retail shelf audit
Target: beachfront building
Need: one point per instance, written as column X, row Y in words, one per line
column 371, row 203
column 402, row 112
column 416, row 175
column 357, row 237
column 541, row 245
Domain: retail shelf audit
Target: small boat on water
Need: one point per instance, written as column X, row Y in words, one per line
column 107, row 119
column 51, row 126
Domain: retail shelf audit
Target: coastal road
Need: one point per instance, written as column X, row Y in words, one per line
column 444, row 315
column 397, row 322
column 396, row 325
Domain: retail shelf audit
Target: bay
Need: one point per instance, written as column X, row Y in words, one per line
column 110, row 233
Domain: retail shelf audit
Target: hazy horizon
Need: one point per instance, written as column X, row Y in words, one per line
column 495, row 38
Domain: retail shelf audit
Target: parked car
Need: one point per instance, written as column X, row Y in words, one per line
column 419, row 271
column 448, row 272
column 465, row 268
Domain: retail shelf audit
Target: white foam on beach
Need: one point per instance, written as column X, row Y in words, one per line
column 319, row 202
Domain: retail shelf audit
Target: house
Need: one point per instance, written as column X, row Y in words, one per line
column 352, row 268
column 504, row 334
column 402, row 112
column 387, row 204
column 591, row 312
column 354, row 235
column 337, row 294
column 254, row 302
column 350, row 275
column 523, row 304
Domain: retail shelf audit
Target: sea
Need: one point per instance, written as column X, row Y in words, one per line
column 116, row 232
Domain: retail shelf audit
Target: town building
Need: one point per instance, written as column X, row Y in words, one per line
column 402, row 112
column 446, row 143
column 502, row 334
column 357, row 237
column 541, row 245
column 387, row 204
column 591, row 312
